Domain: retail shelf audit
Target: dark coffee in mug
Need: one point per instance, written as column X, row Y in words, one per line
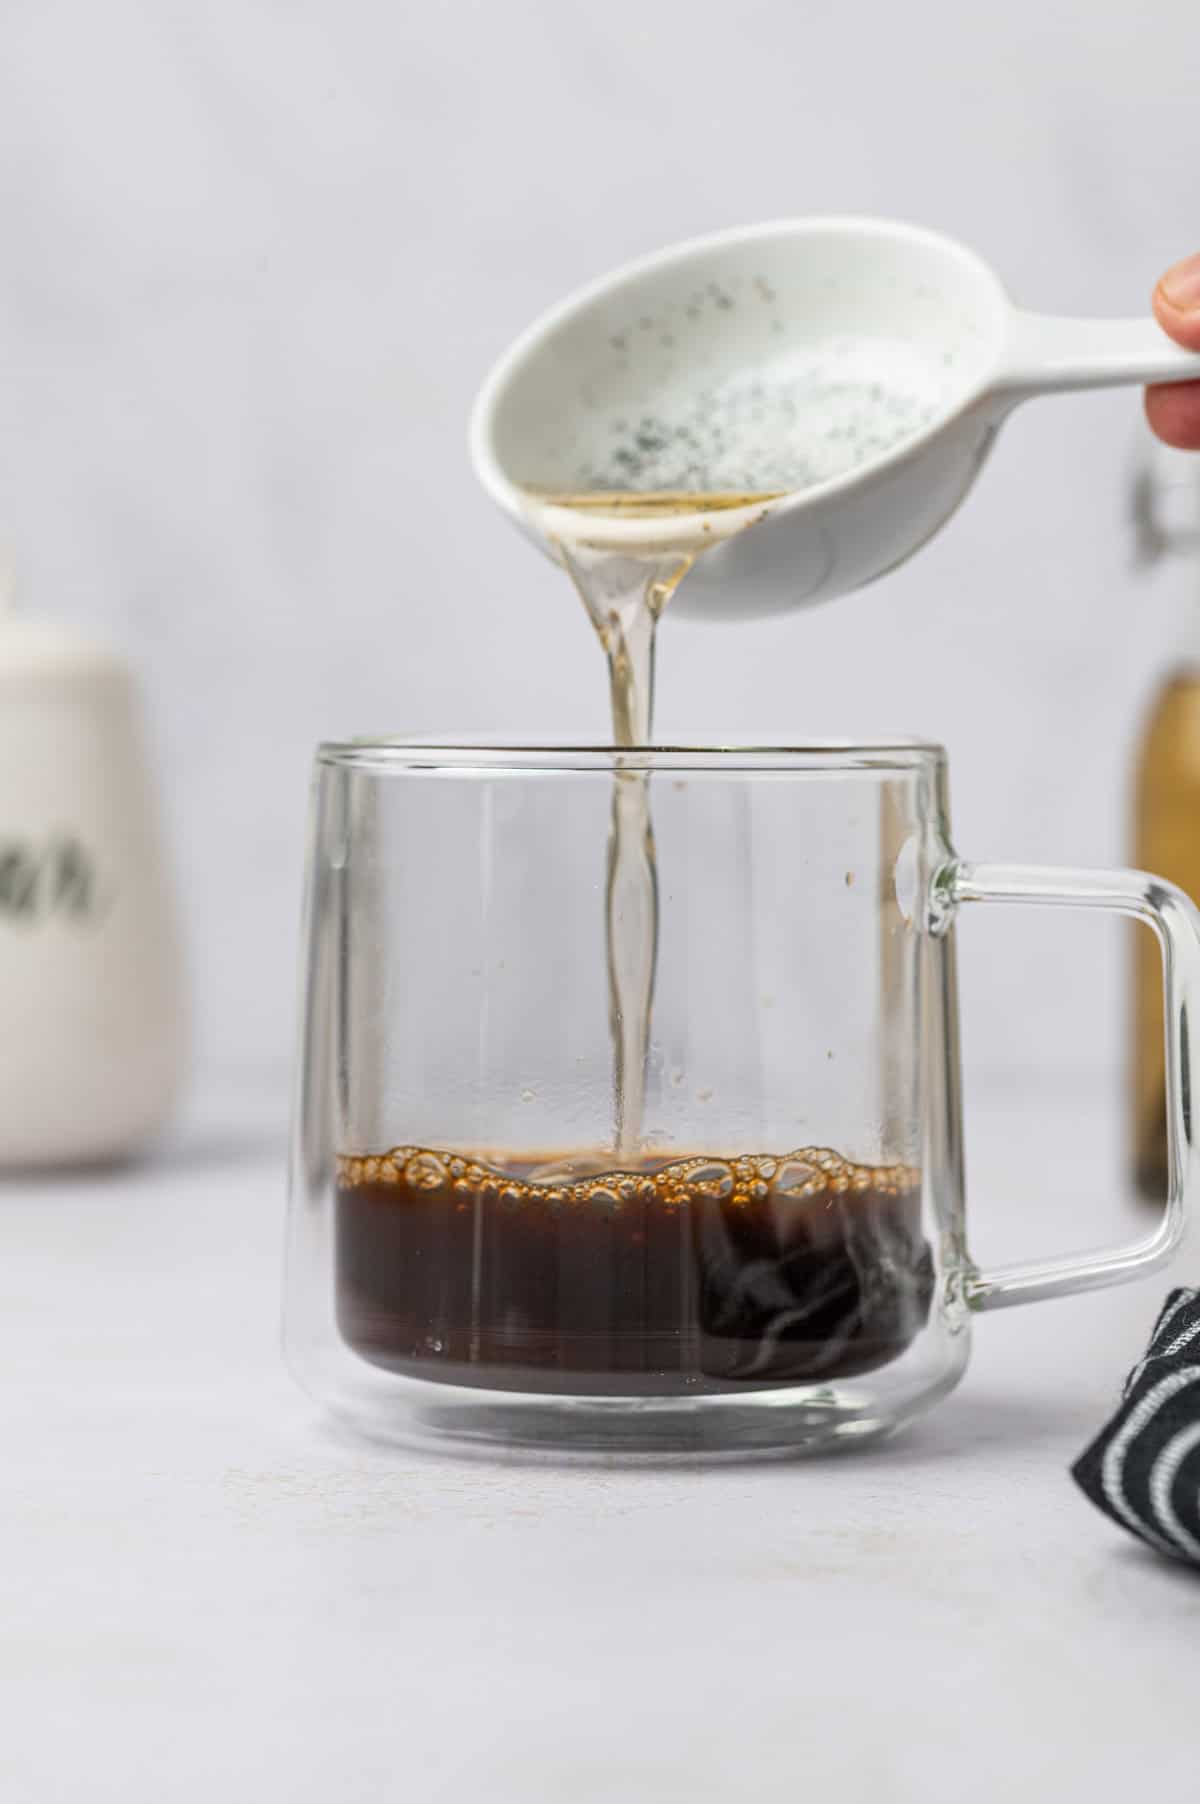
column 670, row 1276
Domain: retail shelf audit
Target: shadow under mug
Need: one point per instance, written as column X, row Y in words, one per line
column 785, row 1262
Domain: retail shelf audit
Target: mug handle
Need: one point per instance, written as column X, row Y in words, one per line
column 1175, row 923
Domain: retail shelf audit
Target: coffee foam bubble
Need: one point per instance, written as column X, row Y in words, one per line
column 809, row 1175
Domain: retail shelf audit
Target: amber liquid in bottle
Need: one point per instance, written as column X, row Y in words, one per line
column 1166, row 840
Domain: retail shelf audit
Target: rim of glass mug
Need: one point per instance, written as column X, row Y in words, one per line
column 465, row 754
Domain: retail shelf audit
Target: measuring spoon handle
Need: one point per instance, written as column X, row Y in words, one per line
column 1046, row 354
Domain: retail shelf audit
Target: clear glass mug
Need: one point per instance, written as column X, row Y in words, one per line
column 785, row 1265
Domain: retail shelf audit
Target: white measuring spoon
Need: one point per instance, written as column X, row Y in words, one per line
column 878, row 305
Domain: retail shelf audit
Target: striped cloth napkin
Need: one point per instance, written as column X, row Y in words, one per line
column 1143, row 1469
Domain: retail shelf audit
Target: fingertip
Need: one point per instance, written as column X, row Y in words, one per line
column 1173, row 411
column 1180, row 323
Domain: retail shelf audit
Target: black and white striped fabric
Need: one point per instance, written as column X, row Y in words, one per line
column 1143, row 1469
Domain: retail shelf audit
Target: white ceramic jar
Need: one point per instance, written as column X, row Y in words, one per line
column 91, row 990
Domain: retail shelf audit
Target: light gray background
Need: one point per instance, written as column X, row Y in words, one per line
column 257, row 256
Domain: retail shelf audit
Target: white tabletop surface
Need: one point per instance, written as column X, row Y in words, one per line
column 209, row 1594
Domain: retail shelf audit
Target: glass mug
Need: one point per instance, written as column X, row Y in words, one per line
column 784, row 1265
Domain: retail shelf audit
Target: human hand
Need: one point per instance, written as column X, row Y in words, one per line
column 1173, row 408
